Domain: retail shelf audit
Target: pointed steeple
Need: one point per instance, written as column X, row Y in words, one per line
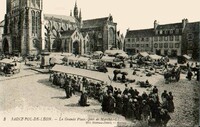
column 76, row 10
column 70, row 12
column 80, row 16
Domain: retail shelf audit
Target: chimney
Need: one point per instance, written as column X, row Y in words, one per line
column 155, row 24
column 184, row 22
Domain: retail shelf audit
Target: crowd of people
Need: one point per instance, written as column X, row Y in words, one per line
column 145, row 107
column 129, row 102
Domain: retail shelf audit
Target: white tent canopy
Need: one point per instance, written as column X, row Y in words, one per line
column 155, row 57
column 7, row 61
column 114, row 52
column 81, row 72
column 187, row 57
column 107, row 59
column 144, row 54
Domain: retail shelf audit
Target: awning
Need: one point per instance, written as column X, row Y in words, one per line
column 107, row 59
column 144, row 54
column 83, row 59
column 114, row 52
column 81, row 72
column 7, row 61
column 155, row 57
column 123, row 55
column 98, row 52
column 187, row 57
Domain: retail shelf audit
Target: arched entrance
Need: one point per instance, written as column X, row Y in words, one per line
column 5, row 46
column 76, row 48
column 57, row 45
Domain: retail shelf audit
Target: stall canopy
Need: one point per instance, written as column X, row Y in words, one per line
column 7, row 61
column 114, row 52
column 107, row 59
column 187, row 57
column 144, row 54
column 140, row 54
column 97, row 53
column 83, row 59
column 81, row 72
column 155, row 57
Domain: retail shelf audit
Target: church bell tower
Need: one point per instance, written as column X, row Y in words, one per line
column 23, row 26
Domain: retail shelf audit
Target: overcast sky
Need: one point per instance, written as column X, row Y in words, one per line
column 133, row 14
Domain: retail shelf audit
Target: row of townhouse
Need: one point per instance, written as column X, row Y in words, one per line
column 169, row 39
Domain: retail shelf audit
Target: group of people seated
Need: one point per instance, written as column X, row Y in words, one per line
column 72, row 83
column 145, row 107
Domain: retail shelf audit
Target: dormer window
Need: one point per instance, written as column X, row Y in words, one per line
column 171, row 31
column 161, row 32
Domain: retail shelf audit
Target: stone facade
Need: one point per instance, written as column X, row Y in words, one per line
column 168, row 39
column 97, row 34
column 1, row 32
column 22, row 29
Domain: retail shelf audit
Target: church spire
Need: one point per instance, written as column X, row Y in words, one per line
column 70, row 12
column 76, row 10
column 80, row 16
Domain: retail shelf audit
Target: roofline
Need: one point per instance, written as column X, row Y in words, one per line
column 95, row 19
column 140, row 30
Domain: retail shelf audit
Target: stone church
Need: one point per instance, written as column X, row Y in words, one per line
column 74, row 35
column 28, row 31
column 22, row 28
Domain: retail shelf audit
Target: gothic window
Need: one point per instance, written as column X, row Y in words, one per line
column 147, row 45
column 111, row 36
column 37, row 22
column 33, row 21
column 133, row 40
column 33, row 2
column 129, row 40
column 38, row 3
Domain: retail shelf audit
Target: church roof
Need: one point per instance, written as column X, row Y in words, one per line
column 93, row 23
column 193, row 26
column 2, row 23
column 61, row 17
column 140, row 33
column 170, row 26
column 67, row 33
